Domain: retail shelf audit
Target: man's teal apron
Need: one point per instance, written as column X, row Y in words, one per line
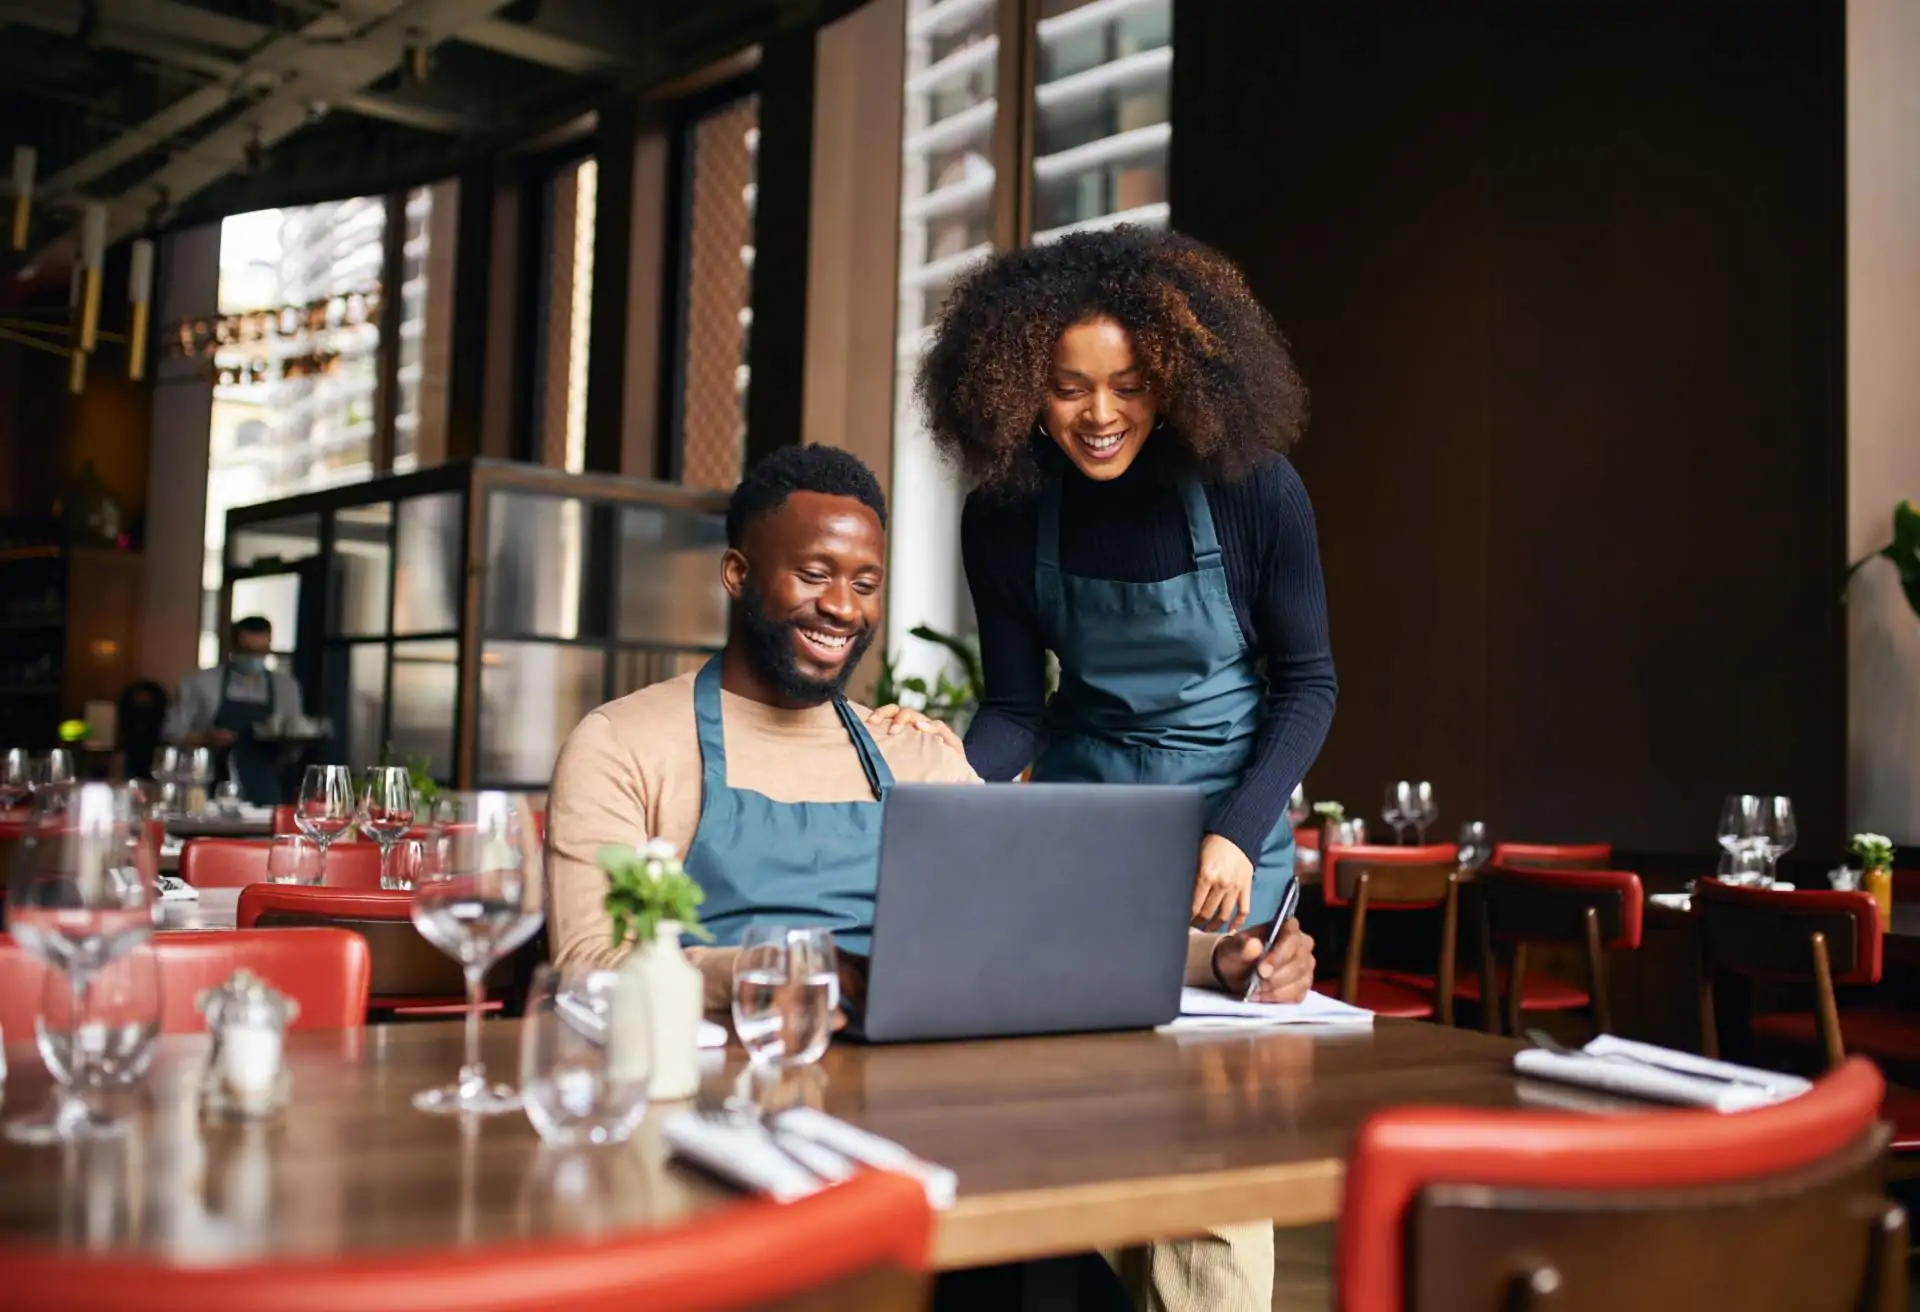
column 783, row 863
column 1157, row 683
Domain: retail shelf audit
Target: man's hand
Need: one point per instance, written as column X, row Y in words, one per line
column 1223, row 888
column 899, row 719
column 1286, row 973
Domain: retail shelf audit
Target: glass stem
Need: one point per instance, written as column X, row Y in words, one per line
column 475, row 977
column 79, row 1066
column 386, row 864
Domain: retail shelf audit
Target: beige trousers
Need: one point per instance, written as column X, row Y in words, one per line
column 1225, row 1270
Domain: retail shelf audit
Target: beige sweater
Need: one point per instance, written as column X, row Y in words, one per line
column 631, row 771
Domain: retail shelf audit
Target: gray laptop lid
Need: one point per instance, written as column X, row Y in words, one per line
column 1014, row 909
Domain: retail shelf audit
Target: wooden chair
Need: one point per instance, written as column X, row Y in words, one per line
column 1389, row 879
column 1820, row 938
column 860, row 1246
column 1457, row 1210
column 1554, row 856
column 411, row 978
column 1594, row 910
column 238, row 862
column 327, row 971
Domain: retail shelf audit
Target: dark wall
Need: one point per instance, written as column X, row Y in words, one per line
column 1567, row 283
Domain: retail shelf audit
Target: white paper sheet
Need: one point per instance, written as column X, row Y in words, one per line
column 1202, row 1009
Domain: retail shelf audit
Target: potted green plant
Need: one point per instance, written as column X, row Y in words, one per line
column 656, row 1010
column 1875, row 852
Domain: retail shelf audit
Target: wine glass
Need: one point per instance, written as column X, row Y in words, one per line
column 1776, row 832
column 1297, row 808
column 1739, row 819
column 786, row 986
column 1476, row 849
column 1425, row 809
column 58, row 768
column 81, row 898
column 386, row 812
column 325, row 809
column 109, row 1045
column 166, row 772
column 1397, row 811
column 573, row 1092
column 16, row 778
column 477, row 899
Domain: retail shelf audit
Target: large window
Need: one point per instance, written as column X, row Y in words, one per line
column 566, row 321
column 1100, row 114
column 718, row 175
column 297, row 364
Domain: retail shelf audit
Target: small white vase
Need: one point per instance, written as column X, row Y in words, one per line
column 657, row 1007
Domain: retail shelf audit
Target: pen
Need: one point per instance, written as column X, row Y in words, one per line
column 1287, row 905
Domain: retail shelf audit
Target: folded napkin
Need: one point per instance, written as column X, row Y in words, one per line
column 1210, row 1009
column 1684, row 901
column 175, row 889
column 591, row 1021
column 1644, row 1070
column 766, row 1154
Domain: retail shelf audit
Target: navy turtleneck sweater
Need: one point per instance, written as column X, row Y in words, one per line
column 1133, row 530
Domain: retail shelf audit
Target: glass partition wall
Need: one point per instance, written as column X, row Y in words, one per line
column 470, row 614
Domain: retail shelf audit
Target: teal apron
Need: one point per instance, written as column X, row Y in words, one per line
column 1157, row 683
column 783, row 863
column 256, row 765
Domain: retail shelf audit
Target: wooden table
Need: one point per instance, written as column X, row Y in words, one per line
column 1061, row 1145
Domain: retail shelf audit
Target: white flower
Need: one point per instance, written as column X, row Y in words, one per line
column 1873, row 840
column 658, row 849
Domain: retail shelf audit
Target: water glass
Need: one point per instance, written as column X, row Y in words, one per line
column 1425, row 810
column 109, row 1044
column 292, row 859
column 400, row 869
column 1750, row 867
column 326, row 806
column 786, row 987
column 1476, row 849
column 567, row 1084
column 1397, row 810
column 477, row 898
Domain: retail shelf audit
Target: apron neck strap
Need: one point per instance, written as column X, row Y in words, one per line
column 713, row 738
column 1200, row 531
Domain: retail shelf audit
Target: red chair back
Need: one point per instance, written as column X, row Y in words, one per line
column 861, row 1244
column 238, row 862
column 1765, row 933
column 1554, row 856
column 1307, row 836
column 283, row 821
column 1534, row 905
column 327, row 971
column 1405, row 874
column 1454, row 1209
column 408, row 971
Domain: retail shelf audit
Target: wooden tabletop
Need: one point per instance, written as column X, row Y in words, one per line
column 1060, row 1144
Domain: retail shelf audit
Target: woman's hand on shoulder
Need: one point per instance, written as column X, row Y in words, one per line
column 893, row 719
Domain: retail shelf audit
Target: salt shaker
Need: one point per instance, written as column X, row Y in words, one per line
column 246, row 1074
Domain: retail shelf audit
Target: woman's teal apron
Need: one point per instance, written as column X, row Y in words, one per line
column 1157, row 683
column 783, row 863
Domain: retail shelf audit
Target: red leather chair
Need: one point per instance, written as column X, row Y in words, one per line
column 1377, row 879
column 238, row 862
column 1821, row 938
column 1595, row 910
column 1451, row 1209
column 1554, row 856
column 861, row 1244
column 411, row 977
column 327, row 971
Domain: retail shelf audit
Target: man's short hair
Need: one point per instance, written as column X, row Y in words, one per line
column 251, row 624
column 824, row 469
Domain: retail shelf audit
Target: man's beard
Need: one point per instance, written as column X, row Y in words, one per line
column 768, row 644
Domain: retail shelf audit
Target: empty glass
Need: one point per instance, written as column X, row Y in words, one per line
column 786, row 986
column 1739, row 820
column 477, row 898
column 386, row 813
column 1749, row 867
column 326, row 805
column 293, row 859
column 52, row 771
column 1397, row 811
column 1776, row 831
column 81, row 898
column 16, row 778
column 567, row 1084
column 400, row 869
column 1476, row 849
column 113, row 1035
column 1425, row 810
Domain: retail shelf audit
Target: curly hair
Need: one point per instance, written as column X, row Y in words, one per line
column 1217, row 366
column 790, row 469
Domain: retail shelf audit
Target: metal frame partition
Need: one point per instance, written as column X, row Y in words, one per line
column 471, row 613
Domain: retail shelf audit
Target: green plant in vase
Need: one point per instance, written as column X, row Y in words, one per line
column 647, row 888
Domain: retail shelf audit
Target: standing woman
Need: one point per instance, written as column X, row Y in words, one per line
column 1122, row 405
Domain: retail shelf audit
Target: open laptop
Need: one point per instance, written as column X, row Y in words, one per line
column 1012, row 909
